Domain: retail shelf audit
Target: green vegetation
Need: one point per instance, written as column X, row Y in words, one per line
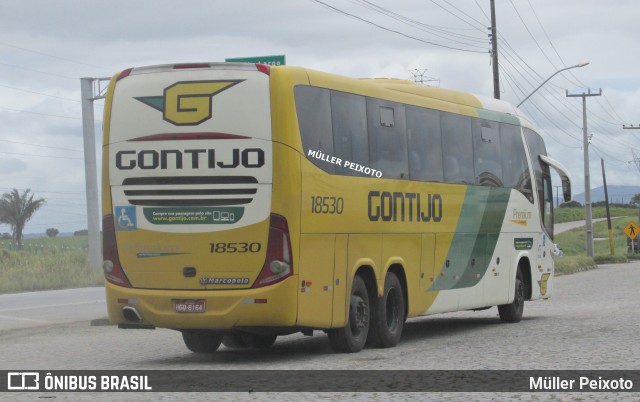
column 570, row 264
column 62, row 262
column 47, row 263
column 561, row 215
column 17, row 209
column 573, row 242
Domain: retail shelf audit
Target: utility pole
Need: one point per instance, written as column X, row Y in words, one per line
column 606, row 203
column 494, row 52
column 87, row 92
column 557, row 196
column 587, row 181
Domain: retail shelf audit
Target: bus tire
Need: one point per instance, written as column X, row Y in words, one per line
column 202, row 341
column 387, row 314
column 512, row 312
column 259, row 341
column 352, row 337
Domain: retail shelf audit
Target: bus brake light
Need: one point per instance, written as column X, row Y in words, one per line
column 111, row 265
column 278, row 263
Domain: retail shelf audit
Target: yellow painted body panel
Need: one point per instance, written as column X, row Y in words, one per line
column 224, row 309
column 327, row 248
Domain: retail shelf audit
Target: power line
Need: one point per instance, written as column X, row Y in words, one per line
column 38, row 71
column 436, row 31
column 482, row 27
column 42, row 146
column 40, row 114
column 393, row 30
column 40, row 156
column 53, row 56
column 39, row 93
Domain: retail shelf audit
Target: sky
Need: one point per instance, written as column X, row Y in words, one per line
column 47, row 46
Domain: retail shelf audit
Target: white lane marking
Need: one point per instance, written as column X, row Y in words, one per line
column 46, row 306
column 8, row 317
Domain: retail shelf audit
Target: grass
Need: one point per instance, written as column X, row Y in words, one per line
column 562, row 215
column 62, row 262
column 45, row 264
column 574, row 242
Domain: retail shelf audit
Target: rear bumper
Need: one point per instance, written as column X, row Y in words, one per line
column 225, row 309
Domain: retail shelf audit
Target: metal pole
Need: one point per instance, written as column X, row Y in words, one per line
column 91, row 173
column 582, row 64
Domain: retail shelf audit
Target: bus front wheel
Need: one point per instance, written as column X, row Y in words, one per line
column 202, row 341
column 512, row 312
column 353, row 336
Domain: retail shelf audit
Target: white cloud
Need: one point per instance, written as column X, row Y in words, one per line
column 47, row 46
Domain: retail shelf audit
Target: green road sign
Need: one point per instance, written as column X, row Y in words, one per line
column 277, row 60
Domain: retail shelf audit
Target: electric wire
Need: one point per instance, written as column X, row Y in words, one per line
column 393, row 30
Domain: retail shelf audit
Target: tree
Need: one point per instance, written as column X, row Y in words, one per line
column 52, row 232
column 571, row 204
column 17, row 209
column 635, row 200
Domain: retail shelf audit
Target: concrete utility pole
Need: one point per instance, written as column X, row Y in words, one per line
column 587, row 180
column 494, row 52
column 88, row 93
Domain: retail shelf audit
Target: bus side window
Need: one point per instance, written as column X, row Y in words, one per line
column 425, row 144
column 314, row 119
column 457, row 145
column 387, row 138
column 486, row 152
column 350, row 138
column 515, row 168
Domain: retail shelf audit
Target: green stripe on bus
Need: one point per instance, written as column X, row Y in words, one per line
column 498, row 116
column 475, row 240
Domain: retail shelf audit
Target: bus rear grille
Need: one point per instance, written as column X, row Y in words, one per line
column 177, row 191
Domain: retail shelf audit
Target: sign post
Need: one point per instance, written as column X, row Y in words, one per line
column 278, row 60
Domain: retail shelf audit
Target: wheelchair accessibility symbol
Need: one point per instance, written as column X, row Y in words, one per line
column 126, row 218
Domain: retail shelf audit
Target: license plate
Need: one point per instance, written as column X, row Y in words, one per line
column 189, row 306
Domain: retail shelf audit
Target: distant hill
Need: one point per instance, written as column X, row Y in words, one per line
column 617, row 194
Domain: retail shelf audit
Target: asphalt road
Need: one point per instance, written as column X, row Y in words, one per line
column 564, row 227
column 51, row 307
column 590, row 323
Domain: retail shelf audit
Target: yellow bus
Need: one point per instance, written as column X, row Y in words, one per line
column 242, row 202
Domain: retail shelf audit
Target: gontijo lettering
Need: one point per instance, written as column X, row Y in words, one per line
column 411, row 207
column 193, row 158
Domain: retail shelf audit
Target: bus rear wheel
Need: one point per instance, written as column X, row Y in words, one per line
column 387, row 318
column 202, row 341
column 353, row 336
column 513, row 311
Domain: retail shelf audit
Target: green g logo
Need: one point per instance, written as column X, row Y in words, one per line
column 187, row 103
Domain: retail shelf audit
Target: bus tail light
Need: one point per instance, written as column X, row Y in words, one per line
column 278, row 263
column 111, row 265
column 264, row 68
